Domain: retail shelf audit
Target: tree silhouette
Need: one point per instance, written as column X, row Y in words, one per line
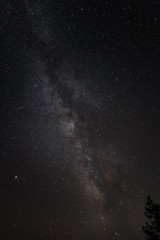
column 152, row 227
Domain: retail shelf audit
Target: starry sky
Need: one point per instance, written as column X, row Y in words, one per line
column 80, row 112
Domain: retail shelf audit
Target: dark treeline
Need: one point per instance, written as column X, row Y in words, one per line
column 152, row 226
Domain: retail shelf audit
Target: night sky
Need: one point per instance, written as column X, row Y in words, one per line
column 80, row 118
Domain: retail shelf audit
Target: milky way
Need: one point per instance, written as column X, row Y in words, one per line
column 101, row 175
column 82, row 127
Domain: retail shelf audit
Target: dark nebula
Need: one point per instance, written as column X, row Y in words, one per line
column 80, row 111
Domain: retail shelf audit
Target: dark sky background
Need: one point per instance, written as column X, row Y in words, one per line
column 80, row 111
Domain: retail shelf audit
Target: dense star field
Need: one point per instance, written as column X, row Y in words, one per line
column 80, row 114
